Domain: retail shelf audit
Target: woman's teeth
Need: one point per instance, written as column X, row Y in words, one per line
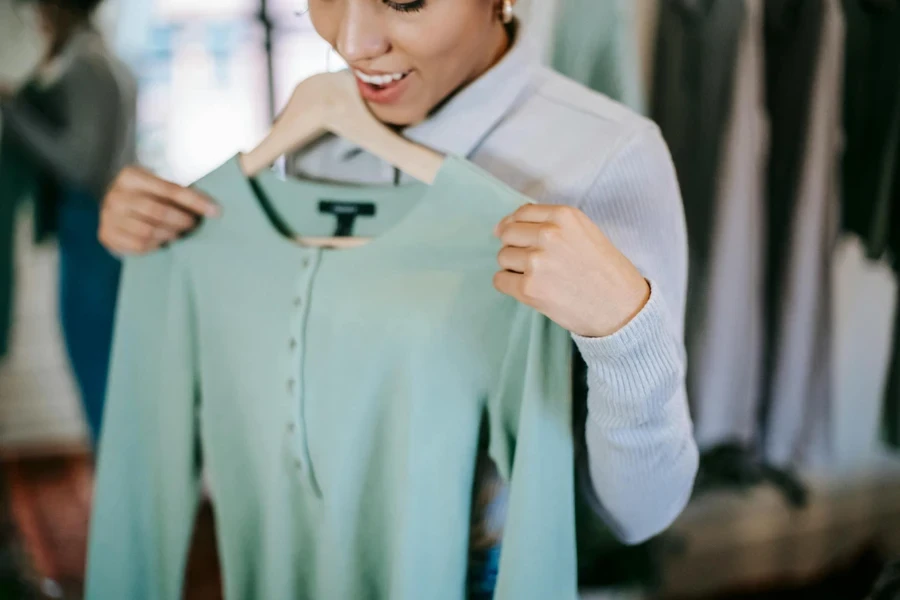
column 380, row 79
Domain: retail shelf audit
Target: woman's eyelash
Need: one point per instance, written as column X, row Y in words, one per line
column 414, row 6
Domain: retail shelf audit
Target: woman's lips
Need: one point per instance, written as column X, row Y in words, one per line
column 384, row 88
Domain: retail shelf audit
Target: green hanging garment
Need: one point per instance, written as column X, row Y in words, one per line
column 334, row 399
column 595, row 44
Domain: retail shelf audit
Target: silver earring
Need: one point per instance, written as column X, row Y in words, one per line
column 506, row 13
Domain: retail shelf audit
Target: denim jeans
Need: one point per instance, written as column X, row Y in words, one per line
column 88, row 287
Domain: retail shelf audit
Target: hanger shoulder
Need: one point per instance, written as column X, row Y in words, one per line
column 331, row 102
column 351, row 119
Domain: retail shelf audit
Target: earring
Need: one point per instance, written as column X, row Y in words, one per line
column 506, row 12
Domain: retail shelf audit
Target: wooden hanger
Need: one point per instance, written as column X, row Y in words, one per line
column 330, row 102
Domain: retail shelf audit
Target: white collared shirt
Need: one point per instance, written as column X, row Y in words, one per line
column 560, row 143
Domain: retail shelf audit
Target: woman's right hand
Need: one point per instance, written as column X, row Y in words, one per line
column 141, row 212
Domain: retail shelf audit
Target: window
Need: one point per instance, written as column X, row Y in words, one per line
column 214, row 73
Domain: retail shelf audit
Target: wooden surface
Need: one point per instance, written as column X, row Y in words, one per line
column 49, row 501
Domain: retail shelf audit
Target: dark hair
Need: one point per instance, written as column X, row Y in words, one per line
column 79, row 8
column 888, row 585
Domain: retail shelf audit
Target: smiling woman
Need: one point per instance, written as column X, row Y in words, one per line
column 411, row 56
column 602, row 251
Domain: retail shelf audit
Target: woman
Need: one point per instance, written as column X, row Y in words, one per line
column 603, row 254
column 76, row 122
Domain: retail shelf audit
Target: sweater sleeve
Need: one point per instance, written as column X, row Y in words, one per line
column 81, row 150
column 641, row 453
column 531, row 442
column 148, row 474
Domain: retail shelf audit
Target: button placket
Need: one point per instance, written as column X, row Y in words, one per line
column 295, row 386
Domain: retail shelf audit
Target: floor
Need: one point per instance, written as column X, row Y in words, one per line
column 49, row 504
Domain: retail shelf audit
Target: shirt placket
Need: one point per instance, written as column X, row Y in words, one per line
column 297, row 348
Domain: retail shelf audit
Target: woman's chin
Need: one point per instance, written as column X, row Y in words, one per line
column 399, row 114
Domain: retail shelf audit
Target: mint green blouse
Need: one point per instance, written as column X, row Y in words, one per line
column 333, row 399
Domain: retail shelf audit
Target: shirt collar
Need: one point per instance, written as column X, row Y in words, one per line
column 459, row 127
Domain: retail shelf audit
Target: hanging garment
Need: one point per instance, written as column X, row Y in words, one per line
column 646, row 21
column 335, row 400
column 891, row 405
column 797, row 407
column 872, row 161
column 595, row 44
column 792, row 31
column 864, row 305
column 725, row 347
column 872, row 121
column 539, row 18
column 891, row 410
column 696, row 55
column 892, row 392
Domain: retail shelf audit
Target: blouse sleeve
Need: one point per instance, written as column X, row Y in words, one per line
column 641, row 453
column 531, row 443
column 148, row 482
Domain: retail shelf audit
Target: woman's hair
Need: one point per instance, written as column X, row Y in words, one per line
column 81, row 9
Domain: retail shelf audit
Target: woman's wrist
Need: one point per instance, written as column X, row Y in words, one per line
column 633, row 301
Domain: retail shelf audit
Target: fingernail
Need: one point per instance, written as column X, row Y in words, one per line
column 212, row 210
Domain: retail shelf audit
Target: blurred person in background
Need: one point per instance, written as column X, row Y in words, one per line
column 76, row 122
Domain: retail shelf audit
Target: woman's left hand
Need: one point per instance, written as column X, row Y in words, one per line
column 556, row 260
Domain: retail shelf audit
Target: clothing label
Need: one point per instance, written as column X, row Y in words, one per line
column 346, row 213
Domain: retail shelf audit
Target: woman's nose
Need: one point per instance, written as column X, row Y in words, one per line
column 362, row 36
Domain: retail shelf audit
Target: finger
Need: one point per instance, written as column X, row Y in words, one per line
column 145, row 231
column 517, row 260
column 510, row 284
column 138, row 180
column 118, row 241
column 537, row 213
column 530, row 235
column 158, row 213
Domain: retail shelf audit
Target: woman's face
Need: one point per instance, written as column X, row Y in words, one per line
column 410, row 55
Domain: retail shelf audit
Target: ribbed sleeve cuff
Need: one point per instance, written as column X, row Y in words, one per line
column 640, row 366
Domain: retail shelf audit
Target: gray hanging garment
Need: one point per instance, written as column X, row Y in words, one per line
column 725, row 346
column 803, row 222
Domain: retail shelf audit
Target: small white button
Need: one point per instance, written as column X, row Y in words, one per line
column 305, row 263
column 298, row 301
column 293, row 343
column 291, row 384
column 298, row 464
column 292, row 427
